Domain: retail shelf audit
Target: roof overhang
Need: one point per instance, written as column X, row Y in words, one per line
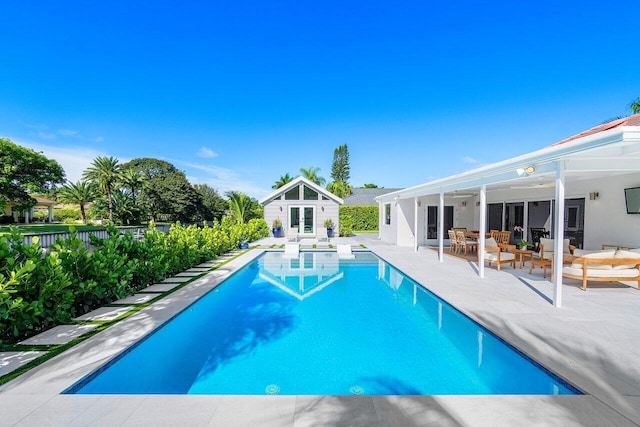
column 298, row 181
column 612, row 151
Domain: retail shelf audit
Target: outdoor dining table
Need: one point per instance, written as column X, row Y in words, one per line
column 474, row 234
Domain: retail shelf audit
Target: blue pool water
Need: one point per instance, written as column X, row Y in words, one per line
column 319, row 325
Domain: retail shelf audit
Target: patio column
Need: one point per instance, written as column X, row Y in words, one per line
column 558, row 255
column 26, row 215
column 50, row 214
column 415, row 224
column 441, row 227
column 483, row 228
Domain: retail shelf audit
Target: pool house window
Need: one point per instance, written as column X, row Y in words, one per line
column 387, row 214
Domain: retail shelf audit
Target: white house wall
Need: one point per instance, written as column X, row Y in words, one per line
column 405, row 222
column 606, row 219
column 272, row 211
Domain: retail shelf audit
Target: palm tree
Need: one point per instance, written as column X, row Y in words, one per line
column 239, row 205
column 81, row 193
column 282, row 181
column 104, row 171
column 311, row 173
column 635, row 106
column 132, row 180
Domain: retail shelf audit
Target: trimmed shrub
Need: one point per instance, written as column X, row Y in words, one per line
column 364, row 217
column 346, row 225
column 62, row 214
column 39, row 291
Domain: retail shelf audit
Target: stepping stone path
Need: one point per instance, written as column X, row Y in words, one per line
column 12, row 360
column 160, row 287
column 136, row 299
column 59, row 335
column 104, row 313
column 176, row 279
column 189, row 274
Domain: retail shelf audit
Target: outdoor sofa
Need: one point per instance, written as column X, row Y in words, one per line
column 604, row 266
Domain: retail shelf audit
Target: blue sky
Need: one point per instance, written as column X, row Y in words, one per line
column 238, row 93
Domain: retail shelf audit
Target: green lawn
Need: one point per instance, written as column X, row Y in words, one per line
column 47, row 228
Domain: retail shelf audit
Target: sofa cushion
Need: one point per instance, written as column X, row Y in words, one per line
column 593, row 255
column 548, row 247
column 617, row 274
column 493, row 256
column 490, row 242
column 632, row 254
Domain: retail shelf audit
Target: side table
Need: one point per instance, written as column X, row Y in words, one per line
column 540, row 262
column 523, row 253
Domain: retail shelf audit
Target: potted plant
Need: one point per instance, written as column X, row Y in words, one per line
column 277, row 228
column 523, row 245
column 243, row 243
column 329, row 225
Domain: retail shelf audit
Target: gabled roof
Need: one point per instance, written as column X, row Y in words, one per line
column 298, row 181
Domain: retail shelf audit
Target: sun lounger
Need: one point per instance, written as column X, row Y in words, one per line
column 344, row 252
column 291, row 250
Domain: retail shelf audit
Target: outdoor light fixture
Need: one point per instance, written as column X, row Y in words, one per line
column 529, row 170
column 463, row 203
column 280, row 208
column 594, row 196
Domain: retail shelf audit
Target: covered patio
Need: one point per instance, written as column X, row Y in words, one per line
column 579, row 182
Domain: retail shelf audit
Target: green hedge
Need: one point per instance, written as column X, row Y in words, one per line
column 364, row 217
column 59, row 215
column 38, row 291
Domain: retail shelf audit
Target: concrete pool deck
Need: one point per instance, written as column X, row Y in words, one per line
column 593, row 342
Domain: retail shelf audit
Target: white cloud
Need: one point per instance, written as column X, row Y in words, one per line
column 222, row 179
column 98, row 139
column 45, row 135
column 469, row 160
column 74, row 160
column 207, row 153
column 69, row 132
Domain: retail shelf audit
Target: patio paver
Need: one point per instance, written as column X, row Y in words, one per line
column 207, row 264
column 59, row 335
column 198, row 270
column 176, row 279
column 104, row 313
column 160, row 287
column 12, row 360
column 136, row 299
column 189, row 274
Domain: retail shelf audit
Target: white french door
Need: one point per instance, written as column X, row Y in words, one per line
column 303, row 217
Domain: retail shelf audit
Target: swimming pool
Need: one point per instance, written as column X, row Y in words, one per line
column 321, row 325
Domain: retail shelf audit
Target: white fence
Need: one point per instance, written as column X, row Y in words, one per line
column 49, row 239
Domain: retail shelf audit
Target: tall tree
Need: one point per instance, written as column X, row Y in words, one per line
column 282, row 181
column 23, row 169
column 340, row 168
column 339, row 188
column 105, row 172
column 214, row 205
column 132, row 180
column 311, row 173
column 80, row 193
column 166, row 193
column 635, row 106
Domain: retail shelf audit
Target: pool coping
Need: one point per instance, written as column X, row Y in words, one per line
column 37, row 391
